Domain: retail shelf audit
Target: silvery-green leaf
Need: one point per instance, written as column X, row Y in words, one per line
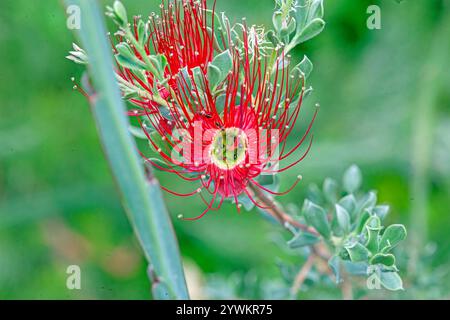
column 368, row 201
column 288, row 29
column 382, row 258
column 315, row 10
column 363, row 217
column 224, row 62
column 305, row 66
column 392, row 236
column 391, row 281
column 311, row 30
column 381, row 211
column 271, row 36
column 120, row 12
column 372, row 229
column 352, row 179
column 357, row 251
column 302, row 239
column 220, row 103
column 334, row 263
column 349, row 203
column 214, row 76
column 137, row 132
column 343, row 218
column 330, row 190
column 316, row 217
column 130, row 62
column 355, row 268
column 277, row 20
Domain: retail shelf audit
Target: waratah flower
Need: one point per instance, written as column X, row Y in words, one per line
column 224, row 139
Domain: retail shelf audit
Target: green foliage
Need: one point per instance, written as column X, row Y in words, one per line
column 51, row 161
column 350, row 222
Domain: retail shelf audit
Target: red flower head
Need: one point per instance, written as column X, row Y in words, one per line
column 225, row 138
column 180, row 34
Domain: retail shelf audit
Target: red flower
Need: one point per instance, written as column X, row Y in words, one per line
column 181, row 34
column 223, row 143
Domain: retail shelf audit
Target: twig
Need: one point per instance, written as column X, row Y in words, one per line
column 301, row 275
column 346, row 287
column 275, row 211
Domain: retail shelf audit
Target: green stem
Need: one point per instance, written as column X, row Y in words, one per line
column 423, row 124
column 141, row 197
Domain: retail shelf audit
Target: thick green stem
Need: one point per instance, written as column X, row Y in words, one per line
column 141, row 197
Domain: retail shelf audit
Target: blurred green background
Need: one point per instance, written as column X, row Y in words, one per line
column 385, row 105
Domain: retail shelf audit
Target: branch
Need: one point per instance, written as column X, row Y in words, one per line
column 277, row 212
column 301, row 275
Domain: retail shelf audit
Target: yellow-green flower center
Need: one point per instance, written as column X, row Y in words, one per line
column 228, row 148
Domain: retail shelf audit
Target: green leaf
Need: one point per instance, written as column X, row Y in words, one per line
column 277, row 20
column 224, row 63
column 220, row 103
column 198, row 77
column 301, row 14
column 306, row 66
column 303, row 239
column 392, row 236
column 245, row 201
column 132, row 63
column 313, row 28
column 120, row 12
column 349, row 203
column 330, row 190
column 355, row 268
column 357, row 252
column 316, row 217
column 372, row 229
column 352, row 179
column 269, row 181
column 160, row 63
column 141, row 197
column 364, row 216
column 343, row 218
column 137, row 132
column 381, row 211
column 368, row 201
column 214, row 76
column 384, row 259
column 335, row 265
column 143, row 33
column 315, row 10
column 289, row 29
column 314, row 194
column 272, row 37
column 391, row 281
